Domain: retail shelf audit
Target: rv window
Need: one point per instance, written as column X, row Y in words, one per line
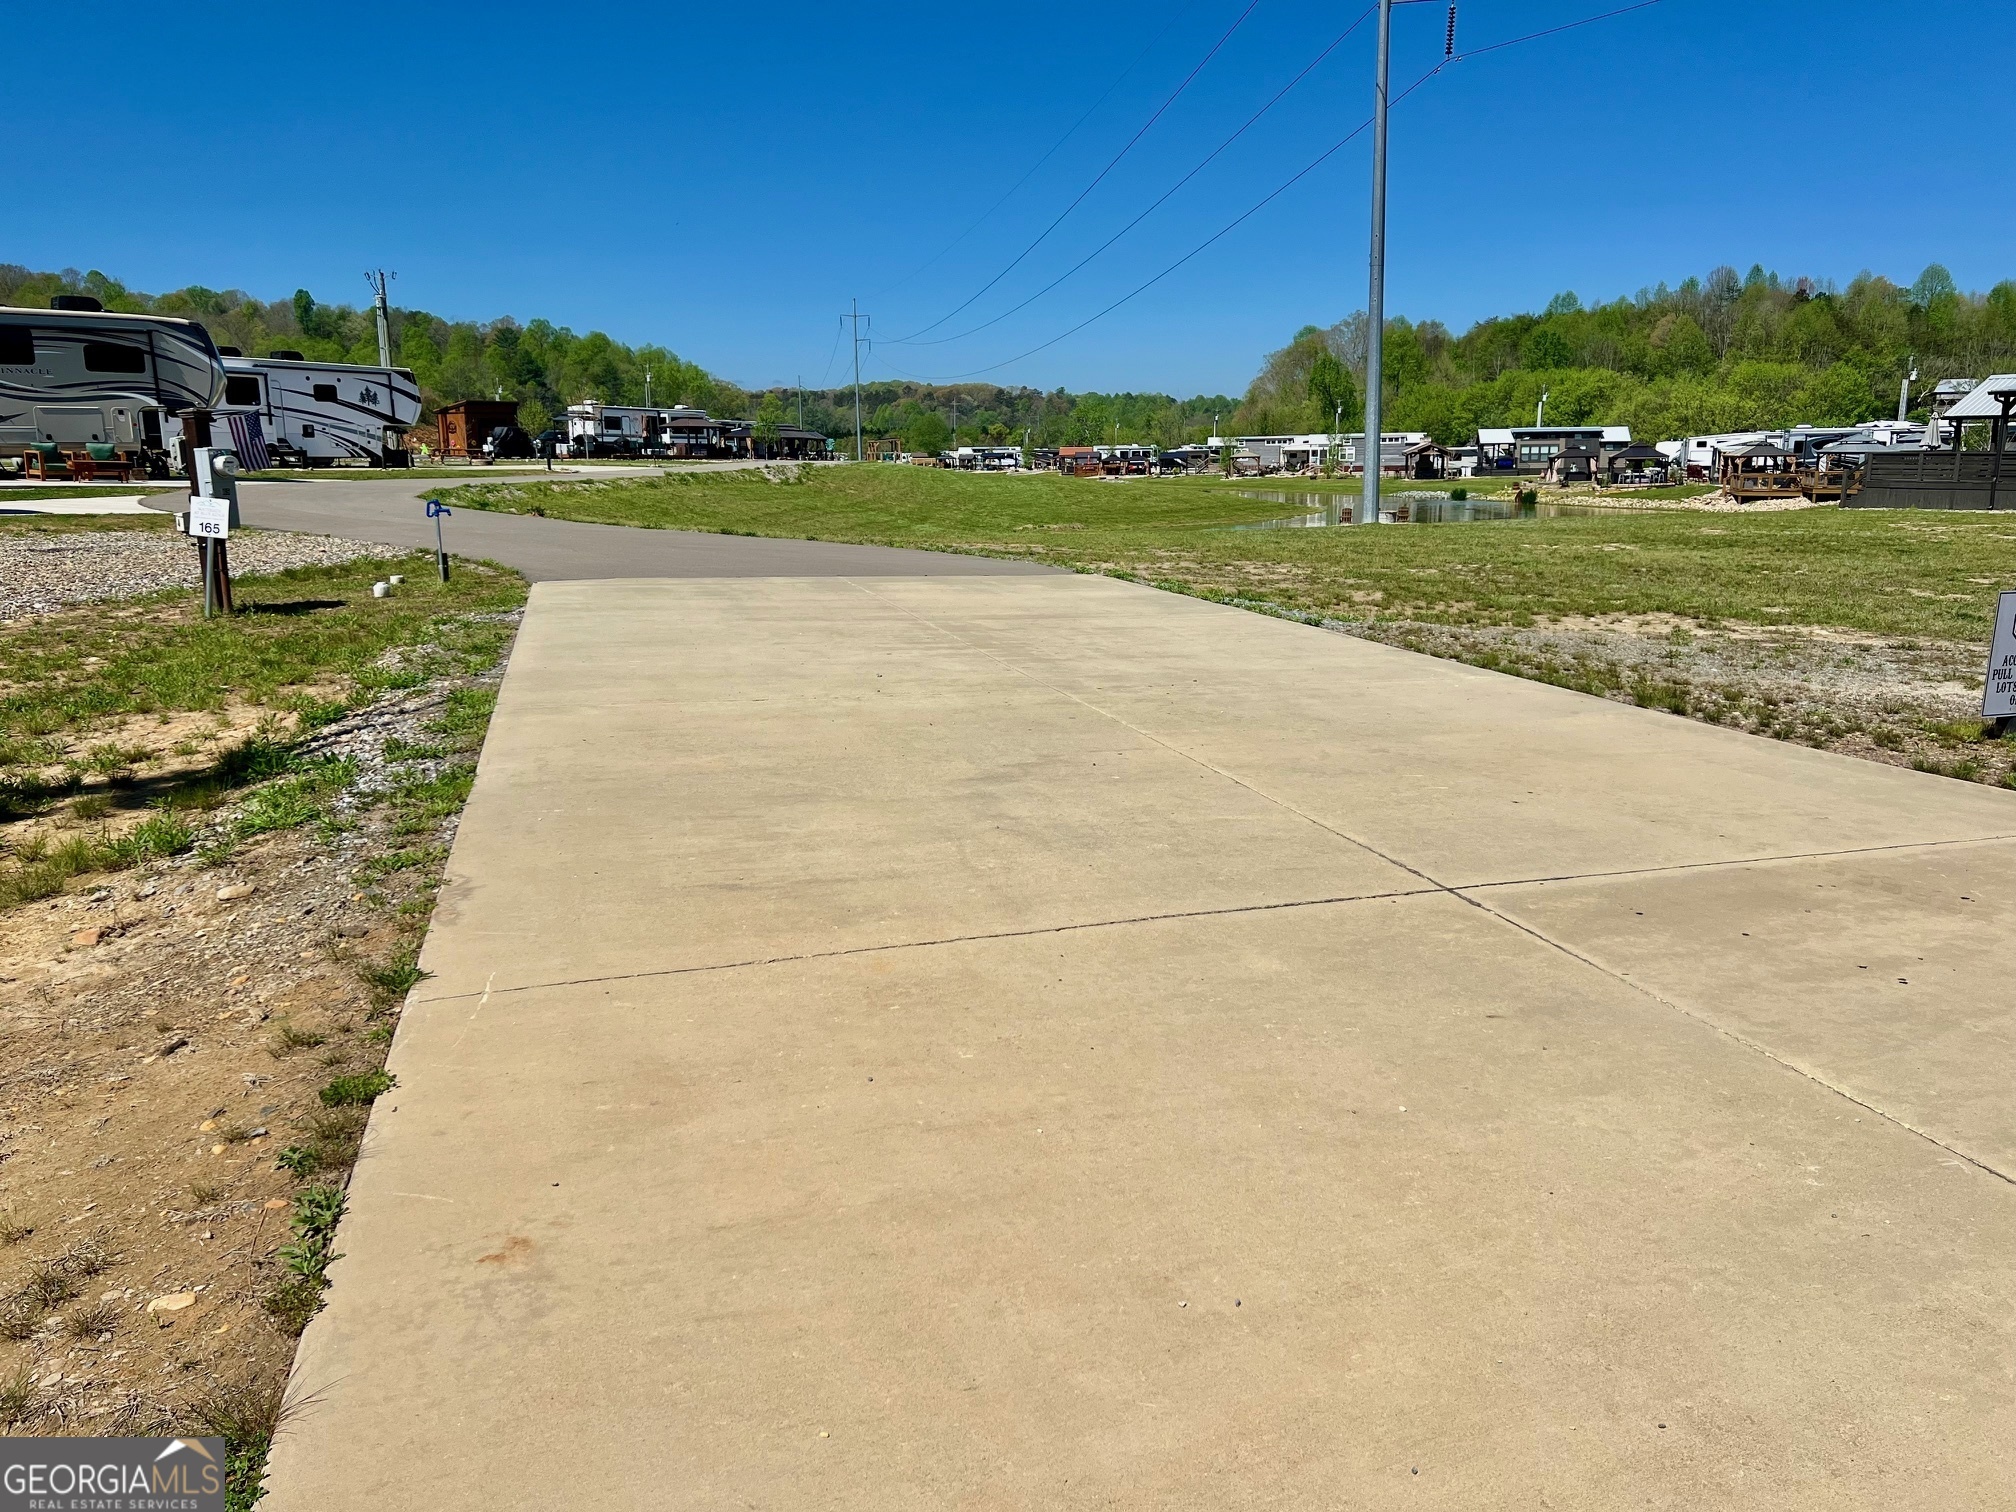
column 17, row 346
column 241, row 390
column 612, row 422
column 111, row 357
column 325, row 393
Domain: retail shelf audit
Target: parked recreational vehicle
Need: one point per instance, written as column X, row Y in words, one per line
column 77, row 376
column 987, row 458
column 315, row 413
column 614, row 429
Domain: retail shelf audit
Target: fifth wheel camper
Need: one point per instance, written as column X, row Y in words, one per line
column 315, row 413
column 72, row 377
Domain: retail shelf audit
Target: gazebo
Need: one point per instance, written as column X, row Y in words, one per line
column 1427, row 459
column 1575, row 462
column 1637, row 464
column 1761, row 471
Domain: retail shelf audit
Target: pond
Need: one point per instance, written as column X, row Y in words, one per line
column 1407, row 508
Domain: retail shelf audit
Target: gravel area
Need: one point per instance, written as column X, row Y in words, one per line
column 1904, row 702
column 41, row 573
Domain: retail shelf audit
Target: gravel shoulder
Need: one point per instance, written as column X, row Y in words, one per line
column 44, row 570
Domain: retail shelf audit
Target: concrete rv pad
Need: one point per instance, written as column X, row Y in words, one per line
column 1040, row 1042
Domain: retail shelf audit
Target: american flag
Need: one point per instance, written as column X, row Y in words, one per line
column 249, row 442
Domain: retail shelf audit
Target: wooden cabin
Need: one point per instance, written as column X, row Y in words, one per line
column 467, row 423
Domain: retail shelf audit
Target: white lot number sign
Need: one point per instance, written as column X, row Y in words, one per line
column 210, row 518
column 1999, row 699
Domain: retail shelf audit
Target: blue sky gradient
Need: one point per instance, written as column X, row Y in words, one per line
column 724, row 183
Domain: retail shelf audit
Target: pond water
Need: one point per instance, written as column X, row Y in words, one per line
column 1405, row 508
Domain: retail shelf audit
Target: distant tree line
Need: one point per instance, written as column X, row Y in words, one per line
column 921, row 416
column 1717, row 354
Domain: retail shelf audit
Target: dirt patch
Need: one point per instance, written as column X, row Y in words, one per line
column 169, row 1040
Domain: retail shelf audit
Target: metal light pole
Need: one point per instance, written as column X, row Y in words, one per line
column 376, row 278
column 1375, row 300
column 856, row 318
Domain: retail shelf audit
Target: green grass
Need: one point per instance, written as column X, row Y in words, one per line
column 41, row 871
column 311, row 627
column 366, row 1087
column 312, row 643
column 394, row 474
column 92, row 491
column 1893, row 573
column 52, row 524
column 911, row 506
column 307, row 1257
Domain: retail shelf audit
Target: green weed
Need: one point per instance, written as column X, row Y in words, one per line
column 353, row 1091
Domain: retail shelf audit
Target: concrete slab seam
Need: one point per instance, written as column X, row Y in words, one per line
column 489, row 992
column 1730, row 1034
column 1776, row 860
column 1455, row 892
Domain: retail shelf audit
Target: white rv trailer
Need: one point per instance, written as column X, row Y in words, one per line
column 315, row 413
column 621, row 428
column 75, row 376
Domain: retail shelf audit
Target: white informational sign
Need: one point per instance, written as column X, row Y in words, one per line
column 1998, row 699
column 210, row 519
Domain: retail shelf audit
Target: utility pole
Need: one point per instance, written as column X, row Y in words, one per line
column 855, row 316
column 376, row 278
column 647, row 388
column 1375, row 302
column 955, row 420
column 801, row 401
column 1904, row 393
column 1540, row 410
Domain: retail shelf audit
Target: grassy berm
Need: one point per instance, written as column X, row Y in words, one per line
column 219, row 848
column 1860, row 631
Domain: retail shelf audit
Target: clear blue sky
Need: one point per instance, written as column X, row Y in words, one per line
column 723, row 179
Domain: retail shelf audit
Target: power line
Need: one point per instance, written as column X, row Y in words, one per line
column 1069, row 132
column 1206, row 162
column 1099, row 179
column 1285, row 186
column 826, row 372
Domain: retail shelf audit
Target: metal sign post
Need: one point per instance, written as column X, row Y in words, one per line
column 436, row 510
column 1998, row 696
column 213, row 513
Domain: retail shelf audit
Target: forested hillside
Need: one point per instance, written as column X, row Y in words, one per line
column 543, row 366
column 1716, row 354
